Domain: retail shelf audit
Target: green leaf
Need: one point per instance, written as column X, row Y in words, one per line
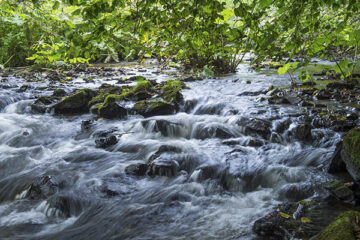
column 282, row 70
column 56, row 5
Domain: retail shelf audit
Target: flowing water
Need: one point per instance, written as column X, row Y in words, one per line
column 222, row 185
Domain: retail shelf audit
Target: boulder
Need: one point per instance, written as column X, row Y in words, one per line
column 215, row 132
column 350, row 152
column 148, row 108
column 42, row 188
column 345, row 227
column 163, row 167
column 336, row 162
column 75, row 103
column 138, row 169
column 106, row 142
column 110, row 109
column 341, row 191
column 255, row 126
column 59, row 92
column 302, row 132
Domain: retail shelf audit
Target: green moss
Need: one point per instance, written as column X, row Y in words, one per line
column 148, row 105
column 352, row 144
column 98, row 99
column 171, row 91
column 341, row 229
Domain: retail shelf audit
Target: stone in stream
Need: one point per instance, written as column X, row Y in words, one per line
column 302, row 132
column 255, row 127
column 75, row 103
column 149, row 108
column 340, row 86
column 341, row 191
column 164, row 149
column 323, row 94
column 350, row 152
column 59, row 92
column 110, row 108
column 42, row 188
column 165, row 127
column 106, row 142
column 163, row 167
column 64, row 206
column 138, row 169
column 42, row 104
column 215, row 132
column 336, row 163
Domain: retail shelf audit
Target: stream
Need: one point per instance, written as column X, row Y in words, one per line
column 228, row 173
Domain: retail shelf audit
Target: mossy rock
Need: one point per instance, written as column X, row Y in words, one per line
column 350, row 152
column 75, row 103
column 110, row 109
column 136, row 78
column 105, row 90
column 141, row 91
column 171, row 91
column 345, row 227
column 153, row 108
column 59, row 92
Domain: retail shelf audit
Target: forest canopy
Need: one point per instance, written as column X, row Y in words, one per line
column 194, row 34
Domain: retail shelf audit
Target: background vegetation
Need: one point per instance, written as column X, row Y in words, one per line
column 193, row 34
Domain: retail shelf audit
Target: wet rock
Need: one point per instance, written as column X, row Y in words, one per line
column 138, row 169
column 165, row 127
column 59, row 92
column 24, row 88
column 256, row 93
column 163, row 167
column 336, row 163
column 214, row 132
column 164, row 149
column 296, row 192
column 75, row 103
column 42, row 188
column 341, row 191
column 275, row 227
column 106, row 142
column 207, row 172
column 154, row 108
column 281, row 126
column 254, row 142
column 171, row 91
column 323, row 95
column 302, row 132
column 42, row 103
column 340, row 86
column 345, row 227
column 352, row 116
column 65, row 206
column 86, row 125
column 255, row 126
column 286, row 222
column 231, row 142
column 111, row 111
column 278, row 100
column 350, row 152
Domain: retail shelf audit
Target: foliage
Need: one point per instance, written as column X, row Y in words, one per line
column 303, row 30
column 213, row 35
